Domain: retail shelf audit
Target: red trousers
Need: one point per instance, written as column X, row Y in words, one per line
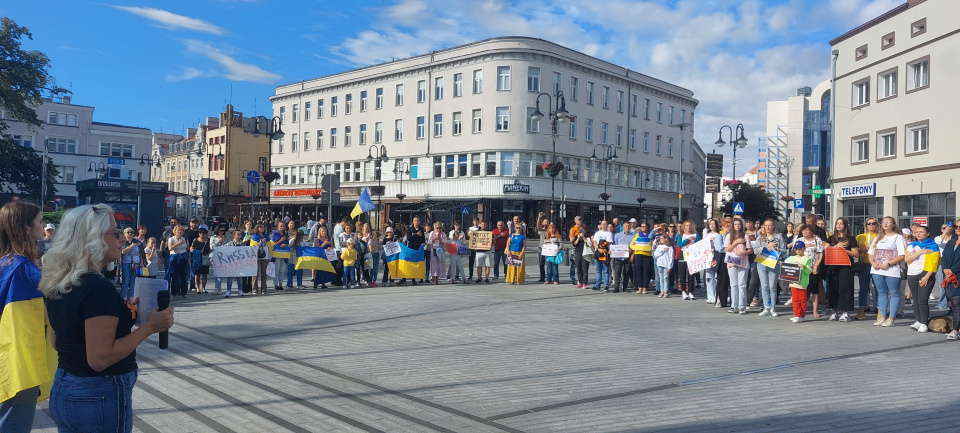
column 799, row 298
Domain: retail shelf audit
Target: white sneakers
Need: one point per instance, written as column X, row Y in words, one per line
column 844, row 318
column 764, row 313
column 692, row 297
column 833, row 316
column 887, row 323
column 773, row 313
column 797, row 319
column 916, row 325
column 922, row 328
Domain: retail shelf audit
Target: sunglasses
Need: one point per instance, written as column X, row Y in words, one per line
column 871, row 224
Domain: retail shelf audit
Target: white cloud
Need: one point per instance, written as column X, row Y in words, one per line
column 171, row 20
column 187, row 73
column 231, row 68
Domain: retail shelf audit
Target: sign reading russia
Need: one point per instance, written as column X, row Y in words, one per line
column 867, row 190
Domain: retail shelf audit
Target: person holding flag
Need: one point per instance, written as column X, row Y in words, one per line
column 769, row 245
column 642, row 258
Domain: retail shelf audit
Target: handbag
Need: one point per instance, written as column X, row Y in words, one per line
column 557, row 259
column 587, row 249
column 205, row 260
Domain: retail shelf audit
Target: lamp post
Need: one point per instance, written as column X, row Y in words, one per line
column 317, row 171
column 198, row 191
column 682, row 126
column 381, row 157
column 399, row 169
column 557, row 114
column 99, row 167
column 740, row 143
column 787, row 162
column 273, row 129
column 608, row 154
column 642, row 176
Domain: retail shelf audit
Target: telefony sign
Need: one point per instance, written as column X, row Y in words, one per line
column 866, row 190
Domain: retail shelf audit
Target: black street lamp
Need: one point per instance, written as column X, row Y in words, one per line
column 401, row 168
column 99, row 167
column 272, row 129
column 381, row 157
column 608, row 154
column 740, row 143
column 318, row 170
column 557, row 114
column 642, row 176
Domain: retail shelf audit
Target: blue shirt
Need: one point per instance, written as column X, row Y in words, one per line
column 516, row 242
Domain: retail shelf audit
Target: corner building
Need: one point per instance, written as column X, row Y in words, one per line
column 896, row 115
column 460, row 118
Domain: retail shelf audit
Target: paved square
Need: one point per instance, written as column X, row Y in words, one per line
column 531, row 358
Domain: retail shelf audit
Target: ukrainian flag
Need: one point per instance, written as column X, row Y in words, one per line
column 316, row 258
column 26, row 356
column 279, row 252
column 408, row 263
column 768, row 258
column 364, row 204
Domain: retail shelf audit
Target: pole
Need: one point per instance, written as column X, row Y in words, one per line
column 553, row 179
column 43, row 180
column 680, row 182
column 139, row 194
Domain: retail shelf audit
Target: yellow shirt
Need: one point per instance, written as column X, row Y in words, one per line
column 863, row 243
column 349, row 256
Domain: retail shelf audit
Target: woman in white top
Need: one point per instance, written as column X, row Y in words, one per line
column 738, row 265
column 436, row 240
column 456, row 263
column 712, row 234
column 179, row 262
column 153, row 258
column 814, row 252
column 886, row 253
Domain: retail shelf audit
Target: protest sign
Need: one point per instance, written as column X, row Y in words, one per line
column 699, row 256
column 331, row 255
column 836, row 256
column 233, row 262
column 481, row 240
column 620, row 251
column 790, row 272
column 451, row 248
column 549, row 250
column 391, row 248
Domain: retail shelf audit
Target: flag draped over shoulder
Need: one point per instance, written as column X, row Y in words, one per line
column 26, row 357
column 364, row 204
column 408, row 263
column 316, row 258
column 768, row 258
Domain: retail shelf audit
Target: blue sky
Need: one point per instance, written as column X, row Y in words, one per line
column 166, row 65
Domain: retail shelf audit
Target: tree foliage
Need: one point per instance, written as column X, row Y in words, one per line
column 757, row 203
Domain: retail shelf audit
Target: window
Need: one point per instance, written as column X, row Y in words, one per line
column 477, row 118
column 457, row 123
column 917, row 134
column 525, row 164
column 646, row 108
column 574, row 88
column 589, row 136
column 503, row 78
column 62, row 119
column 333, row 106
column 605, row 97
column 603, row 132
column 683, row 116
column 421, row 127
column 670, row 114
column 69, row 145
column 633, row 105
column 450, row 165
column 457, row 85
column 659, row 112
column 557, row 83
column 886, row 144
column 293, row 142
column 421, row 91
column 659, row 148
column 399, row 101
column 888, row 40
column 506, row 163
column 438, row 125
column 619, row 136
column 363, row 134
column 116, row 150
column 918, row 28
column 21, row 140
column 532, row 125
column 918, row 74
column 349, row 105
column 503, row 118
column 860, row 149
column 378, row 132
column 887, row 85
column 669, row 147
column 320, row 109
column 589, row 93
column 296, row 112
column 573, row 127
column 860, row 53
column 438, row 88
column 283, row 115
column 462, row 165
column 333, row 138
column 478, row 81
column 475, row 164
column 491, row 165
column 379, row 102
column 66, row 174
column 533, row 79
column 398, row 130
column 861, row 92
column 346, row 135
column 619, row 101
column 319, row 139
column 633, row 139
column 363, row 101
column 306, row 110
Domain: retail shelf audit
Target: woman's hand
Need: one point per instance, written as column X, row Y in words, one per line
column 771, row 245
column 160, row 321
column 885, row 266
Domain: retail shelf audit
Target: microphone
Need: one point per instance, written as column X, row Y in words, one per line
column 163, row 302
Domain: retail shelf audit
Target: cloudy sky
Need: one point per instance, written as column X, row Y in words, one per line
column 166, row 65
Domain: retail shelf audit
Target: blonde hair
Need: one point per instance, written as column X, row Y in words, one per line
column 78, row 249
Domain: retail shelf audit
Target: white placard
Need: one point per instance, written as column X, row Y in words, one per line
column 391, row 248
column 331, row 255
column 228, row 262
column 699, row 256
column 620, row 251
column 549, row 250
column 146, row 291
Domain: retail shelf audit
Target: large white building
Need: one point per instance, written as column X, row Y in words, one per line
column 460, row 118
column 896, row 115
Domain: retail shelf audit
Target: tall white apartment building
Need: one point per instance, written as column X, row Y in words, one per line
column 460, row 119
column 896, row 115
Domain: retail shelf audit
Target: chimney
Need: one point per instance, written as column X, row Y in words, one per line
column 912, row 3
column 65, row 99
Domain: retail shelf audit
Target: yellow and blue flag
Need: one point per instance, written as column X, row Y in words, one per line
column 408, row 263
column 277, row 251
column 316, row 258
column 26, row 356
column 364, row 204
column 768, row 258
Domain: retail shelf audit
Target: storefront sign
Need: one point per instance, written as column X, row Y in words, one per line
column 94, row 184
column 866, row 190
column 296, row 192
column 920, row 220
column 516, row 186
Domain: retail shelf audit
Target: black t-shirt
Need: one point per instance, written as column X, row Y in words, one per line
column 95, row 296
column 191, row 235
column 415, row 238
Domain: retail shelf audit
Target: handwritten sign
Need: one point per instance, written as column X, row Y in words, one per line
column 620, row 251
column 391, row 248
column 481, row 240
column 699, row 256
column 549, row 250
column 331, row 255
column 234, row 262
column 836, row 256
column 790, row 272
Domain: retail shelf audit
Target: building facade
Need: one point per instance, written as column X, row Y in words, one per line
column 458, row 120
column 82, row 148
column 895, row 115
column 228, row 190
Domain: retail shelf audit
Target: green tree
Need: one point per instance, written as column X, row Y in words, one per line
column 757, row 203
column 24, row 79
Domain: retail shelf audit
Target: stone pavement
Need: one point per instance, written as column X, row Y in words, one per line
column 531, row 358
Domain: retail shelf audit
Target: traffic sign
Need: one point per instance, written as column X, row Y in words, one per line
column 798, row 203
column 253, row 176
column 330, row 182
column 712, row 185
column 714, row 164
column 738, row 208
column 193, row 205
column 465, row 210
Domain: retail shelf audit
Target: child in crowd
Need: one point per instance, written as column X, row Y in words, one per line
column 663, row 256
column 349, row 257
column 799, row 289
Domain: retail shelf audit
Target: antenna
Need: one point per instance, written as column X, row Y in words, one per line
column 231, row 93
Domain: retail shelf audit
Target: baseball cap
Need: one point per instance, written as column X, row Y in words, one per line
column 907, row 232
column 194, row 220
column 50, row 227
column 799, row 244
column 632, row 220
column 389, row 230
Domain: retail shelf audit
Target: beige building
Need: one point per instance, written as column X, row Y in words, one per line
column 460, row 118
column 896, row 115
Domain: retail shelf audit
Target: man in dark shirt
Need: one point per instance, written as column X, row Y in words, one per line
column 500, row 237
column 191, row 234
column 167, row 234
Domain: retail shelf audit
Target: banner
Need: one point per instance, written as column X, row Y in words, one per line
column 699, row 256
column 549, row 250
column 836, row 256
column 481, row 240
column 233, row 262
column 620, row 251
column 790, row 272
column 391, row 248
column 768, row 258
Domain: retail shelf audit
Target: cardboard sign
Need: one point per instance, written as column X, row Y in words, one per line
column 620, row 251
column 790, row 272
column 836, row 256
column 391, row 248
column 481, row 240
column 549, row 250
column 699, row 256
column 233, row 262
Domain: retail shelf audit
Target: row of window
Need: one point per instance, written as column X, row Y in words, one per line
column 918, row 78
column 64, row 119
column 888, row 40
column 916, row 140
column 503, row 84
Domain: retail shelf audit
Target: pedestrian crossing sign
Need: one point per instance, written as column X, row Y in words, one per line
column 738, row 208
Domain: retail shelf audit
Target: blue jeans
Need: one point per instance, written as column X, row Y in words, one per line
column 573, row 269
column 498, row 258
column 375, row 266
column 230, row 281
column 711, row 276
column 291, row 271
column 888, row 293
column 942, row 304
column 86, row 404
column 553, row 272
column 16, row 413
column 603, row 273
column 663, row 274
column 280, row 271
column 768, row 285
column 864, row 277
column 350, row 275
column 128, row 280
